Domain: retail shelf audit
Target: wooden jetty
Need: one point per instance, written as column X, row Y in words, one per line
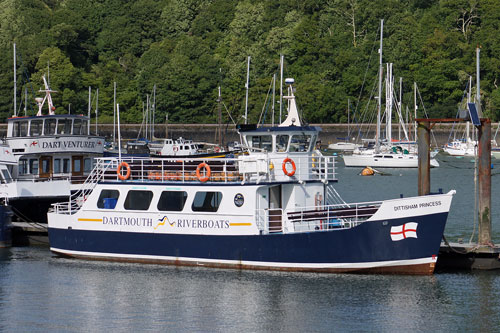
column 29, row 233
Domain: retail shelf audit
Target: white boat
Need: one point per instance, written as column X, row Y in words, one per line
column 54, row 154
column 387, row 159
column 343, row 146
column 273, row 209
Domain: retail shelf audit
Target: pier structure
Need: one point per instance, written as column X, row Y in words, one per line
column 483, row 254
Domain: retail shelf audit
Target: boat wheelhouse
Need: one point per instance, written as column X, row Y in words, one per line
column 54, row 154
column 275, row 209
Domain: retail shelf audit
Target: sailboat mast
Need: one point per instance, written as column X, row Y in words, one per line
column 15, row 83
column 114, row 113
column 246, row 86
column 388, row 103
column 416, row 107
column 379, row 109
column 478, row 86
column 274, row 94
column 281, row 86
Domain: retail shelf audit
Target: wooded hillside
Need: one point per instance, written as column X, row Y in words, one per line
column 190, row 47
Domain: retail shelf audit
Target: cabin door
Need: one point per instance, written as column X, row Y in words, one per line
column 275, row 209
column 77, row 166
column 45, row 166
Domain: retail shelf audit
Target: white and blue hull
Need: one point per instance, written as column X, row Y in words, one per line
column 367, row 247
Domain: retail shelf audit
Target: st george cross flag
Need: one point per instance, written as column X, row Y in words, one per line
column 407, row 230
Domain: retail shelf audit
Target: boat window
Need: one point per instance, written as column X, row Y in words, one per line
column 20, row 128
column 138, row 200
column 206, row 201
column 172, row 201
column 77, row 165
column 34, row 167
column 64, row 126
column 260, row 141
column 300, row 143
column 36, row 127
column 23, row 166
column 6, row 176
column 282, row 143
column 186, row 147
column 45, row 166
column 85, row 128
column 66, row 165
column 49, row 127
column 87, row 164
column 57, row 165
column 107, row 199
column 77, row 126
column 388, row 156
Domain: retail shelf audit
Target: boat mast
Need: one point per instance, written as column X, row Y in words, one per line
column 114, row 113
column 377, row 137
column 389, row 86
column 90, row 96
column 119, row 136
column 281, row 85
column 478, row 86
column 246, row 86
column 416, row 107
column 348, row 120
column 96, row 111
column 274, row 93
column 153, row 106
column 15, row 83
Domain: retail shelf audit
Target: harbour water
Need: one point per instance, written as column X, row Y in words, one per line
column 42, row 292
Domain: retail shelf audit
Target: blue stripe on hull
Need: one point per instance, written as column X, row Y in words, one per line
column 368, row 242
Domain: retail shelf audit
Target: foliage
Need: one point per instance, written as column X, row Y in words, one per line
column 178, row 52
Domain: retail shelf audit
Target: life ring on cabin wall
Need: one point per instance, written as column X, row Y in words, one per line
column 294, row 168
column 119, row 171
column 198, row 172
column 176, row 149
column 217, row 149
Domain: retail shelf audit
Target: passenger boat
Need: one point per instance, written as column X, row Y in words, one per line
column 273, row 209
column 54, row 154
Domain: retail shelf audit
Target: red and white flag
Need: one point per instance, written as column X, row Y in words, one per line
column 407, row 230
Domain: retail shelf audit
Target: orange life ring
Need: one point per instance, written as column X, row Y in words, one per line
column 118, row 171
column 294, row 168
column 207, row 175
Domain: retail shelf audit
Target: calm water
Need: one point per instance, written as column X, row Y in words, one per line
column 41, row 292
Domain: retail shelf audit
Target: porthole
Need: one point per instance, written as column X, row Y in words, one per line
column 239, row 200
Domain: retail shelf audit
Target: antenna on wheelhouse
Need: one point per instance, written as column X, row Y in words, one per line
column 293, row 118
column 40, row 101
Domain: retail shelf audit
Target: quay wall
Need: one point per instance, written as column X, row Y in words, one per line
column 206, row 132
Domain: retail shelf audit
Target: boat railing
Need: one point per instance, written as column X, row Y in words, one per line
column 79, row 197
column 253, row 168
column 311, row 219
